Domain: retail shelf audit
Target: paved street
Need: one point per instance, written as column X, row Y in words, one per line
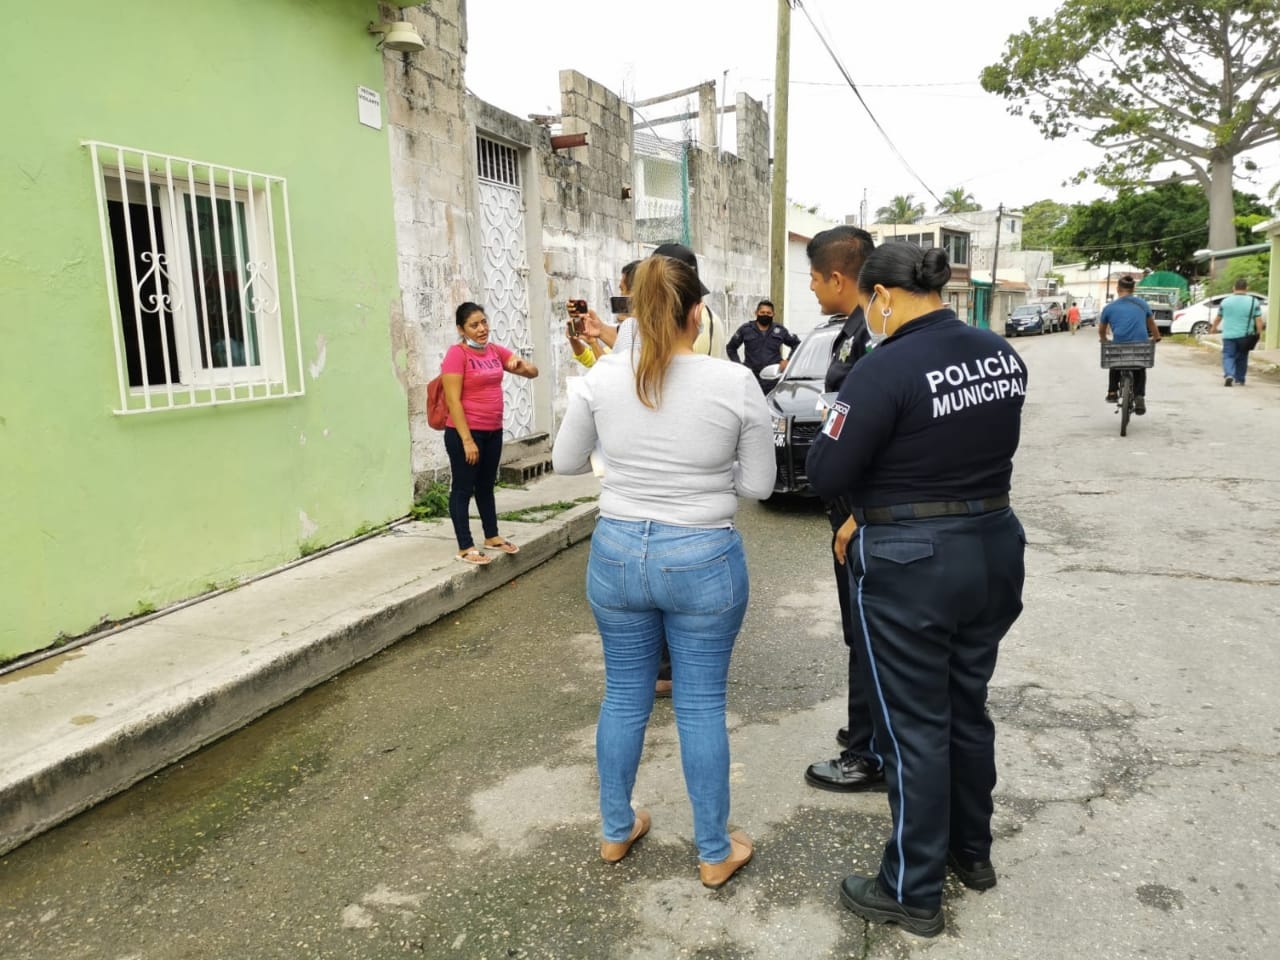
column 439, row 800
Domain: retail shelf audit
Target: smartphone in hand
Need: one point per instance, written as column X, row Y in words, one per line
column 577, row 310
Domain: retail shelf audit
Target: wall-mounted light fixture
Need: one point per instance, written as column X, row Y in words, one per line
column 399, row 36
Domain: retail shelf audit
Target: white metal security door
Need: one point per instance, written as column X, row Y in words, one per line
column 505, row 273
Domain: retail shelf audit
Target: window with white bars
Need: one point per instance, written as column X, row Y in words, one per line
column 200, row 281
column 497, row 162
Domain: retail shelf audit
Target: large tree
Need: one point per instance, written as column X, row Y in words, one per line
column 1040, row 221
column 958, row 200
column 901, row 209
column 1158, row 229
column 1173, row 90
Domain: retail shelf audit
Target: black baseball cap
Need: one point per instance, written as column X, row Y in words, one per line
column 678, row 251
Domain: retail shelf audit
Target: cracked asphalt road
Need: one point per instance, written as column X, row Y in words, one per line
column 439, row 801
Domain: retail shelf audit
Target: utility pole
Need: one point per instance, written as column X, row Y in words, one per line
column 995, row 259
column 778, row 226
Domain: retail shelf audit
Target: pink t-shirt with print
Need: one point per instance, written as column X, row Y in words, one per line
column 481, row 383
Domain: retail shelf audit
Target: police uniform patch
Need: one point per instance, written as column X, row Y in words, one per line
column 835, row 419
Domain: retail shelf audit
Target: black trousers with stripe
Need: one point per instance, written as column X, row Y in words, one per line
column 859, row 711
column 933, row 598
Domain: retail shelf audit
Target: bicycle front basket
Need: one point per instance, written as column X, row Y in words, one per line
column 1129, row 355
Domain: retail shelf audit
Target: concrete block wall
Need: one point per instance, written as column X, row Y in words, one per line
column 580, row 225
column 580, row 229
column 729, row 202
column 432, row 150
column 588, row 227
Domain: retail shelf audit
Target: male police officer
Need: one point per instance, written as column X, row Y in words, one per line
column 921, row 441
column 762, row 343
column 835, row 257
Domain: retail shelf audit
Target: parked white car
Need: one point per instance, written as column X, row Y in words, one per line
column 1197, row 318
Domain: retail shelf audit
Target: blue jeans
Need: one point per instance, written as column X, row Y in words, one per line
column 473, row 480
column 1235, row 358
column 644, row 580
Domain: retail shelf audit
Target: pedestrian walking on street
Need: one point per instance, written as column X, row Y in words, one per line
column 1073, row 318
column 921, row 441
column 835, row 259
column 761, row 341
column 471, row 375
column 683, row 436
column 1239, row 317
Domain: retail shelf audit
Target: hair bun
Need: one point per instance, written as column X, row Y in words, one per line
column 934, row 269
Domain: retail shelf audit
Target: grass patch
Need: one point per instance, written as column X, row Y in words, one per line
column 543, row 511
column 432, row 502
column 308, row 547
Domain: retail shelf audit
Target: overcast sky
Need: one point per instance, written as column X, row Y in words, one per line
column 917, row 65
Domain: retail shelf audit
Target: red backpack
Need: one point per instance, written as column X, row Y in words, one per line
column 437, row 409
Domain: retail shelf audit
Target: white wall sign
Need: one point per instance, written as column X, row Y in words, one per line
column 369, row 105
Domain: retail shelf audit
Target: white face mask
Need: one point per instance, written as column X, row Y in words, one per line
column 875, row 339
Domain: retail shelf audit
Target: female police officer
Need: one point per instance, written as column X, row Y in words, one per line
column 921, row 441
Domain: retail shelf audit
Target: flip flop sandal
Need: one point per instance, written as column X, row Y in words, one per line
column 474, row 557
column 506, row 546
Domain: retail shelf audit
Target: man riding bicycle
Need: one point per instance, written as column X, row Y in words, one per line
column 1129, row 320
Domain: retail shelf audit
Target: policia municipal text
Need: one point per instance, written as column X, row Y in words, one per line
column 920, row 443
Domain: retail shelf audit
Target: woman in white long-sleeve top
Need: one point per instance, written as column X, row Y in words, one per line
column 683, row 436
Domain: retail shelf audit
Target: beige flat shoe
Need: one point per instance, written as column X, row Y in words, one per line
column 716, row 875
column 613, row 852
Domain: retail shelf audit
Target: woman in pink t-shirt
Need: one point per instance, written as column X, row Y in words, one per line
column 471, row 375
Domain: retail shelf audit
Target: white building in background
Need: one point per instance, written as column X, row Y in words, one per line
column 800, row 313
column 1095, row 284
column 982, row 229
column 1011, row 290
column 659, row 188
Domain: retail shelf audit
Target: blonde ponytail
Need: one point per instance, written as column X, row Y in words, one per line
column 662, row 296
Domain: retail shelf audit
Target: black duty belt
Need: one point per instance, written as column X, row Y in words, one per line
column 926, row 511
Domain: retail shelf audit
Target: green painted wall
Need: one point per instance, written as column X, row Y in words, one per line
column 100, row 512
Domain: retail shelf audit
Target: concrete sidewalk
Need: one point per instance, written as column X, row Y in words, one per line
column 88, row 723
column 1265, row 361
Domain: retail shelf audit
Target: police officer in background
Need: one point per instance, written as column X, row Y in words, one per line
column 761, row 343
column 835, row 258
column 921, row 441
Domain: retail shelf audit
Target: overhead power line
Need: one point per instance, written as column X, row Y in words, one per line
column 857, row 93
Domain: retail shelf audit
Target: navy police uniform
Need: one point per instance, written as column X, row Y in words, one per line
column 921, row 441
column 760, row 347
column 849, row 347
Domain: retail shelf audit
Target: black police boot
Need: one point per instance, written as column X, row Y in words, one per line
column 847, row 773
column 842, row 736
column 865, row 897
column 974, row 874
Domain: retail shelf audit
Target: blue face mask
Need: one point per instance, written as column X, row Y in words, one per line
column 471, row 343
